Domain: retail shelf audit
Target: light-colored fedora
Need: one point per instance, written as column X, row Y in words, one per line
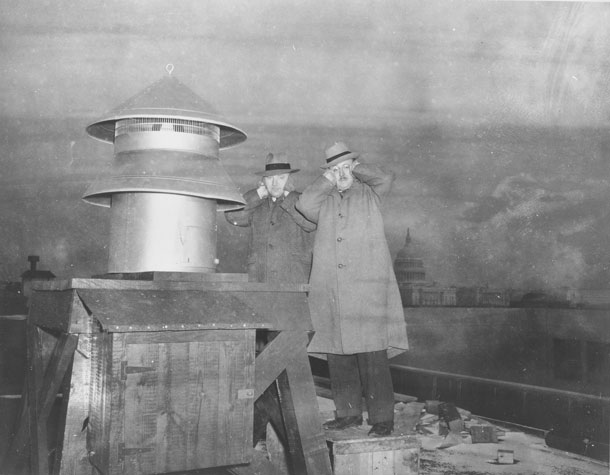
column 338, row 153
column 276, row 165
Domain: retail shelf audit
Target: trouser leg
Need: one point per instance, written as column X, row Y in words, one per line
column 345, row 384
column 377, row 384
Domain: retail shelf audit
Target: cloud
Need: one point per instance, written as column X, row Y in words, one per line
column 516, row 235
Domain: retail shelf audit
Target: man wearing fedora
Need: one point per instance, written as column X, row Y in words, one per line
column 280, row 250
column 281, row 238
column 354, row 299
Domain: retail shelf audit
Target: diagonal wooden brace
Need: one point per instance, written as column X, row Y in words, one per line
column 285, row 359
column 42, row 392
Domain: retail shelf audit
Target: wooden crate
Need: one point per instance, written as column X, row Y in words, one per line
column 171, row 401
column 394, row 455
column 162, row 374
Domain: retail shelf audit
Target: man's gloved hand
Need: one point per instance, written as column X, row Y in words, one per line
column 262, row 190
column 330, row 176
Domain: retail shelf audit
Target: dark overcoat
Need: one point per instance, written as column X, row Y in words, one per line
column 354, row 298
column 281, row 239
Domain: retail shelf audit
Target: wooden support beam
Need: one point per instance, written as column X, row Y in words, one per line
column 40, row 393
column 71, row 456
column 267, row 409
column 58, row 365
column 37, row 428
column 296, row 456
column 272, row 360
column 285, row 359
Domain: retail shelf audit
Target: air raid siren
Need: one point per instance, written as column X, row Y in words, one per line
column 168, row 183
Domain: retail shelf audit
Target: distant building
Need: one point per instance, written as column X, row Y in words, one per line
column 415, row 291
column 482, row 297
column 409, row 269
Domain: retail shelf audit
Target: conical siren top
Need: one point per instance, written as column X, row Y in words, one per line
column 168, row 97
column 167, row 140
column 167, row 182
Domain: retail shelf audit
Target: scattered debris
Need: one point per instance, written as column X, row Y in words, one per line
column 432, row 407
column 506, row 456
column 462, row 443
column 483, row 434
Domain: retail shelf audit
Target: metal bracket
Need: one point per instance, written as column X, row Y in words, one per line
column 125, row 370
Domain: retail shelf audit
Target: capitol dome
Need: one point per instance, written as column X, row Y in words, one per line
column 408, row 268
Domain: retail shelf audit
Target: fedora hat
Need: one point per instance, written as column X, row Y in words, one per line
column 276, row 165
column 337, row 153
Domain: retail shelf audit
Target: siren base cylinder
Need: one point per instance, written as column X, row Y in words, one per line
column 161, row 232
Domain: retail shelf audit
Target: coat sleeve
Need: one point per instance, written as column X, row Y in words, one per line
column 243, row 217
column 288, row 204
column 377, row 178
column 313, row 196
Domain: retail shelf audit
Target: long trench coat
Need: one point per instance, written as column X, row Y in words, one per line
column 281, row 239
column 354, row 299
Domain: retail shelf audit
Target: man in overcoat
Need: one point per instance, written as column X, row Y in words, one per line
column 354, row 299
column 281, row 239
column 279, row 250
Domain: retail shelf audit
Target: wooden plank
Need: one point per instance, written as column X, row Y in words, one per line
column 176, row 276
column 369, row 461
column 114, row 414
column 97, row 438
column 39, row 462
column 60, row 361
column 146, row 411
column 288, row 352
column 296, row 452
column 272, row 360
column 298, row 408
column 375, row 456
column 373, row 444
column 267, row 409
column 199, row 277
column 205, row 336
column 119, row 284
column 72, row 457
column 148, row 310
column 41, row 394
column 236, row 400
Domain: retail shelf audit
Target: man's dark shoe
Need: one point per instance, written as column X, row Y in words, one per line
column 381, row 429
column 343, row 423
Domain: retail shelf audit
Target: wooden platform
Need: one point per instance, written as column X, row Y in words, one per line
column 393, row 455
column 163, row 376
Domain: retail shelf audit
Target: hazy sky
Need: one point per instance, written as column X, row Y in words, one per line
column 493, row 114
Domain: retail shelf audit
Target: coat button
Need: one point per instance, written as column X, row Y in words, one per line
column 339, row 239
column 341, row 266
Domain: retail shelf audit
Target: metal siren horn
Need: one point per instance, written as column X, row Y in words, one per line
column 168, row 182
